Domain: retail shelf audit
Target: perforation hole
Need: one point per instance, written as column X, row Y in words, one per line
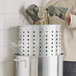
column 51, row 39
column 33, row 39
column 40, row 50
column 52, row 31
column 39, row 54
column 56, row 42
column 40, row 31
column 56, row 46
column 46, row 31
column 40, row 42
column 28, row 39
column 51, row 50
column 56, row 35
column 46, row 35
column 46, row 54
column 33, row 54
column 33, row 46
column 27, row 35
column 23, row 50
column 33, row 35
column 51, row 46
column 27, row 54
column 56, row 50
column 52, row 43
column 56, row 38
column 23, row 54
column 40, row 46
column 23, row 43
column 27, row 50
column 23, row 32
column 46, row 39
column 23, row 39
column 27, row 43
column 23, row 46
column 33, row 43
column 46, row 42
column 46, row 50
column 52, row 35
column 27, row 31
column 46, row 47
column 33, row 31
column 23, row 35
column 27, row 46
column 40, row 39
column 51, row 54
column 33, row 50
column 56, row 31
column 40, row 35
column 20, row 39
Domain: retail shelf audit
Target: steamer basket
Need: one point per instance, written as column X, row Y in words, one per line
column 41, row 44
column 40, row 40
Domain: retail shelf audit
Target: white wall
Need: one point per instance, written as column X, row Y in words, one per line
column 10, row 19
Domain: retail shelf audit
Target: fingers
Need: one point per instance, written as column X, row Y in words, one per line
column 50, row 10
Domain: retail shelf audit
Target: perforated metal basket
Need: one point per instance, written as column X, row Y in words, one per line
column 40, row 40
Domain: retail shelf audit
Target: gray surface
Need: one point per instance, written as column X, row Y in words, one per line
column 69, row 68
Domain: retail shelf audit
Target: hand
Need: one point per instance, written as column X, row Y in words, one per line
column 32, row 11
column 57, row 11
column 68, row 19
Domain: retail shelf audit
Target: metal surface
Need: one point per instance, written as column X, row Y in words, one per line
column 40, row 45
column 22, row 66
column 40, row 40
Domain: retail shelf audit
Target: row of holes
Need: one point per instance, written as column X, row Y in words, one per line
column 28, row 54
column 40, row 35
column 41, row 31
column 40, row 46
column 39, row 50
column 40, row 39
column 45, row 54
column 41, row 43
column 39, row 54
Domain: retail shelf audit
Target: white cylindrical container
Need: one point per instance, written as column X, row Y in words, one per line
column 34, row 66
column 22, row 66
column 52, row 66
column 49, row 66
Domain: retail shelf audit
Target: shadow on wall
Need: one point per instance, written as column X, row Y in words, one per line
column 7, row 66
column 12, row 42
